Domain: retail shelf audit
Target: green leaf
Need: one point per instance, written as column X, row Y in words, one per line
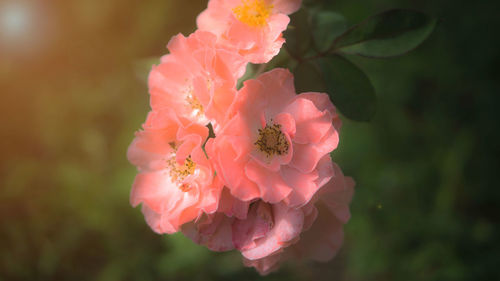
column 326, row 26
column 308, row 78
column 298, row 34
column 390, row 33
column 349, row 88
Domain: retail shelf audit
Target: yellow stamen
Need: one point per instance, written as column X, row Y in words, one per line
column 272, row 141
column 253, row 12
column 195, row 104
column 179, row 172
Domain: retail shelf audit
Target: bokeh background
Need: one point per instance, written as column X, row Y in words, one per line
column 72, row 94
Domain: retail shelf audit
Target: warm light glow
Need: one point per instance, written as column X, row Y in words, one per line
column 24, row 27
column 16, row 20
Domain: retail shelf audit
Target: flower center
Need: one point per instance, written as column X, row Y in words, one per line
column 178, row 173
column 272, row 141
column 253, row 12
column 195, row 105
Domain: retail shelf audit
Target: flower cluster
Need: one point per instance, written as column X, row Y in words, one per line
column 265, row 183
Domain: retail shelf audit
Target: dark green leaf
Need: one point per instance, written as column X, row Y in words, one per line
column 326, row 26
column 298, row 34
column 349, row 88
column 390, row 33
column 308, row 78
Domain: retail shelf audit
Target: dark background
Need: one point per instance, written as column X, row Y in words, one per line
column 72, row 96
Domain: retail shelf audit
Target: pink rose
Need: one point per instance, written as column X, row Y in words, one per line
column 265, row 230
column 322, row 236
column 197, row 79
column 273, row 142
column 176, row 182
column 213, row 231
column 268, row 229
column 268, row 234
column 265, row 184
column 254, row 27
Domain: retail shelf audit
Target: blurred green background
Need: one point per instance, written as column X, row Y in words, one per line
column 425, row 206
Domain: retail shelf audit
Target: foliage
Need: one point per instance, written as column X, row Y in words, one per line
column 388, row 34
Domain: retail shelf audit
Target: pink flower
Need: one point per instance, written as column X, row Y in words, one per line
column 272, row 248
column 265, row 230
column 213, row 231
column 322, row 234
column 231, row 206
column 268, row 234
column 274, row 142
column 253, row 27
column 197, row 79
column 265, row 265
column 176, row 182
column 265, row 184
column 268, row 229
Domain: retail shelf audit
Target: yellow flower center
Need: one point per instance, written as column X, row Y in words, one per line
column 195, row 104
column 272, row 141
column 253, row 12
column 179, row 172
